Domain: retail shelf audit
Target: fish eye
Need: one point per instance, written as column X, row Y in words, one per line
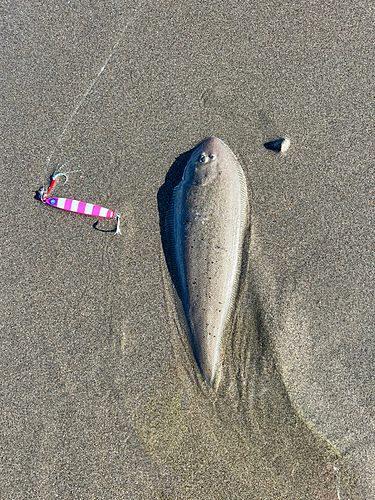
column 212, row 156
column 202, row 158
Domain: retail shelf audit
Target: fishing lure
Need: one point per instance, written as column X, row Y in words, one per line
column 79, row 207
column 74, row 205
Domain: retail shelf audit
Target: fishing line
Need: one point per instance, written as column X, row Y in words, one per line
column 130, row 21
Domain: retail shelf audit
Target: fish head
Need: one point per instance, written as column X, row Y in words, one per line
column 204, row 165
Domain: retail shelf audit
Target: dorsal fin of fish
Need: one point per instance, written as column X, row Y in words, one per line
column 173, row 264
column 244, row 220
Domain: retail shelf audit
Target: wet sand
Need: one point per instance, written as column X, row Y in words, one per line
column 100, row 394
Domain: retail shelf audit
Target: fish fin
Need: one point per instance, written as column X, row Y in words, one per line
column 244, row 240
column 173, row 257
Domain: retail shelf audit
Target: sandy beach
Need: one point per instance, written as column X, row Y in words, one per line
column 101, row 396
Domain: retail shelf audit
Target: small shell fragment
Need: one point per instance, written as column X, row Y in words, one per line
column 285, row 145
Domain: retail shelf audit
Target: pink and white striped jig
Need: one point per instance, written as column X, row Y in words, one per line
column 74, row 205
column 79, row 207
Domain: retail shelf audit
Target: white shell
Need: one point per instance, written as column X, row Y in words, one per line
column 285, row 145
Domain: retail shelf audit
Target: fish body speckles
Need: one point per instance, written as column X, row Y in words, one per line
column 209, row 217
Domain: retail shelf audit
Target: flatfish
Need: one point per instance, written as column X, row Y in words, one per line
column 208, row 219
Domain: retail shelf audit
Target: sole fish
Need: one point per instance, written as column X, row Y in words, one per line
column 208, row 219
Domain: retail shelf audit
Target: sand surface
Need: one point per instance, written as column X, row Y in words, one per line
column 100, row 395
